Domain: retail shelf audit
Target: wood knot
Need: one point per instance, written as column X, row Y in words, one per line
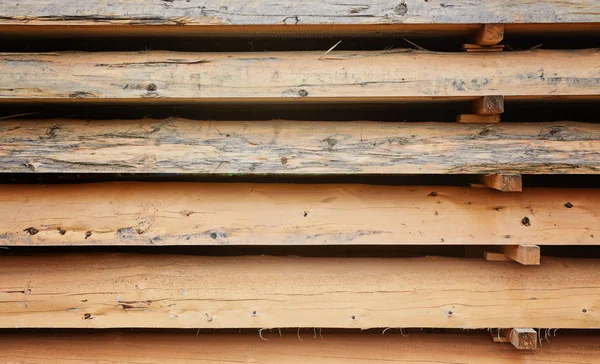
column 31, row 230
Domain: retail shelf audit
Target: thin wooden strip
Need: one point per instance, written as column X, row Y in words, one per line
column 333, row 348
column 286, row 214
column 110, row 291
column 282, row 76
column 296, row 147
column 239, row 12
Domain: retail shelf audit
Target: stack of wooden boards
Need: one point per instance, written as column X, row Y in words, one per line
column 306, row 300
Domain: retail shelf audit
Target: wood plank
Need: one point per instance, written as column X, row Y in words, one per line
column 334, row 348
column 525, row 253
column 287, row 214
column 523, row 339
column 285, row 76
column 116, row 291
column 503, row 182
column 296, row 147
column 318, row 12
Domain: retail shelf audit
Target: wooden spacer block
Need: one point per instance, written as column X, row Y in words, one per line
column 477, row 119
column 524, row 254
column 493, row 256
column 489, row 34
column 522, row 339
column 478, row 48
column 489, row 105
column 503, row 182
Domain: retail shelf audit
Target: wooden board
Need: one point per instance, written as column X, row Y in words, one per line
column 334, row 348
column 104, row 291
column 296, row 147
column 287, row 214
column 239, row 12
column 285, row 76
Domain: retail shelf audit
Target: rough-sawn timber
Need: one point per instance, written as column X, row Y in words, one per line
column 107, row 291
column 314, row 12
column 283, row 76
column 183, row 347
column 285, row 214
column 297, row 147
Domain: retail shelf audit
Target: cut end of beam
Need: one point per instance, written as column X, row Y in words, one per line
column 478, row 119
column 524, row 254
column 503, row 182
column 489, row 105
column 489, row 34
column 523, row 339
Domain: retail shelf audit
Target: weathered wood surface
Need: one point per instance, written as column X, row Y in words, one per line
column 333, row 348
column 104, row 291
column 296, row 147
column 168, row 76
column 287, row 214
column 240, row 12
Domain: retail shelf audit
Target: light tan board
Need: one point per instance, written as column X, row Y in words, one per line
column 103, row 291
column 241, row 12
column 296, row 147
column 281, row 76
column 357, row 348
column 286, row 214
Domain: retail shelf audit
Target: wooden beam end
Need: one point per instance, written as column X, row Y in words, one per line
column 503, row 182
column 489, row 105
column 489, row 34
column 523, row 339
column 524, row 254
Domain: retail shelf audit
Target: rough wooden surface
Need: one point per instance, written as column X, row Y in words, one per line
column 334, row 348
column 240, row 12
column 296, row 147
column 286, row 214
column 170, row 76
column 103, row 291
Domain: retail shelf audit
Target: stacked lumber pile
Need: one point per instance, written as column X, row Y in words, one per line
column 287, row 181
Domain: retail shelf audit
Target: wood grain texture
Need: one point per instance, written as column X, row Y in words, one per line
column 296, row 147
column 116, row 291
column 357, row 348
column 239, row 12
column 283, row 76
column 286, row 214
